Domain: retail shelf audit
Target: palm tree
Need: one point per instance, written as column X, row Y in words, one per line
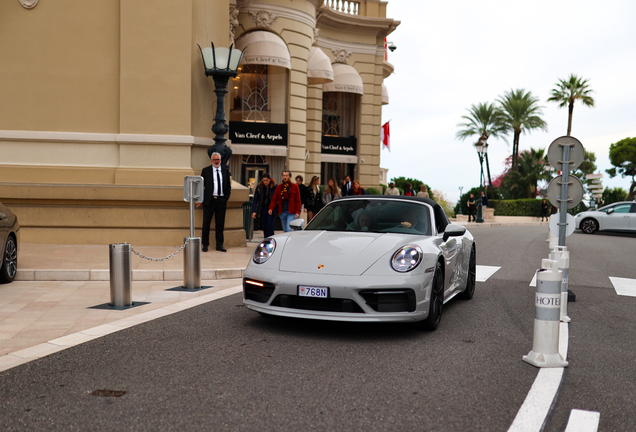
column 522, row 182
column 568, row 91
column 521, row 114
column 484, row 120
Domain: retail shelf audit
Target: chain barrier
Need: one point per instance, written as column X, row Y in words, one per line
column 140, row 255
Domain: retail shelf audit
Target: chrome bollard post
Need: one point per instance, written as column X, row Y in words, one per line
column 192, row 263
column 120, row 274
column 545, row 344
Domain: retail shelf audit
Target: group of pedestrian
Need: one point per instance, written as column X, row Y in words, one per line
column 408, row 191
column 287, row 200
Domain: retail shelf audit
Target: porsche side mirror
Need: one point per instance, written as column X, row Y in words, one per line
column 297, row 224
column 454, row 230
column 610, row 211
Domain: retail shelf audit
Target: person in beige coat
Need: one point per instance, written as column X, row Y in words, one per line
column 392, row 190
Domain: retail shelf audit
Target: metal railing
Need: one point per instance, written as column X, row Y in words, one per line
column 344, row 6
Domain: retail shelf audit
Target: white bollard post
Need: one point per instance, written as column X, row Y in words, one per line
column 553, row 241
column 545, row 344
column 562, row 256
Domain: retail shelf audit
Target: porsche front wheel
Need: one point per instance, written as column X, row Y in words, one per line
column 469, row 291
column 436, row 302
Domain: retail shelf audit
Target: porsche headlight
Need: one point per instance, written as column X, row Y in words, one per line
column 264, row 251
column 406, row 259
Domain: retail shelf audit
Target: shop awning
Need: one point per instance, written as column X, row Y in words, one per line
column 319, row 70
column 346, row 79
column 385, row 95
column 262, row 47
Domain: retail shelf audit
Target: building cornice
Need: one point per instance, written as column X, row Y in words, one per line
column 82, row 137
column 281, row 12
column 330, row 18
column 353, row 47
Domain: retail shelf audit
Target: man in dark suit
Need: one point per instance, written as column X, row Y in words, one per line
column 216, row 192
column 347, row 187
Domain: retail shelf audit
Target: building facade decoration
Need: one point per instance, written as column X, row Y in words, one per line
column 234, row 22
column 263, row 19
column 341, row 55
column 29, row 4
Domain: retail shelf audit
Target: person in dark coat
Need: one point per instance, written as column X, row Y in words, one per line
column 347, row 186
column 471, row 207
column 303, row 191
column 544, row 210
column 409, row 190
column 484, row 200
column 216, row 192
column 313, row 204
column 260, row 205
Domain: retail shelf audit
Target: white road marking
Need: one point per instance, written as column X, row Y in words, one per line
column 484, row 272
column 583, row 421
column 535, row 409
column 623, row 286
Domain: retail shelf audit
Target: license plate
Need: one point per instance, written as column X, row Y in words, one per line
column 311, row 291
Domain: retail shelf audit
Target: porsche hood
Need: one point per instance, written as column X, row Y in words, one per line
column 336, row 253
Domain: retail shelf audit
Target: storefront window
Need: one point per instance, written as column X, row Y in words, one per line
column 338, row 114
column 258, row 94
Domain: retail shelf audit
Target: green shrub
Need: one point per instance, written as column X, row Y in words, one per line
column 519, row 207
column 372, row 191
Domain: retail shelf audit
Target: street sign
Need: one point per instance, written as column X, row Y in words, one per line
column 594, row 176
column 555, row 153
column 575, row 191
column 554, row 224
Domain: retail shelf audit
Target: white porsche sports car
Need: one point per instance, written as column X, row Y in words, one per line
column 364, row 258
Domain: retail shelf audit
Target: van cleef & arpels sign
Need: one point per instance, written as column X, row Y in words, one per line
column 258, row 133
column 338, row 145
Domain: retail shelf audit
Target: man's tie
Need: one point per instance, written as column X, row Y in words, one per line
column 218, row 182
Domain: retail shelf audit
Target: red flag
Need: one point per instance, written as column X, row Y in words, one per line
column 386, row 53
column 385, row 135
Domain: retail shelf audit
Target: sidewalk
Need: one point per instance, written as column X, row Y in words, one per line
column 61, row 293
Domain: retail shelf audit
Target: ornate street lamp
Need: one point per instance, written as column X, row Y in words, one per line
column 221, row 64
column 482, row 150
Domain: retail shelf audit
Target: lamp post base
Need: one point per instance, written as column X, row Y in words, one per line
column 480, row 216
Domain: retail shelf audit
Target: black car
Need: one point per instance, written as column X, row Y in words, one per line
column 10, row 242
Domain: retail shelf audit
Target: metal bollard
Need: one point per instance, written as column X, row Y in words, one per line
column 562, row 256
column 192, row 263
column 120, row 274
column 545, row 344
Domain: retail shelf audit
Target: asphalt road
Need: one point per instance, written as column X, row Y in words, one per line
column 222, row 367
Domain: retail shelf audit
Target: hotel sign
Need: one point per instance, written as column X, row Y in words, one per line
column 258, row 133
column 339, row 146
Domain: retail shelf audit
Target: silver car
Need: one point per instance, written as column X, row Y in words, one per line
column 10, row 242
column 620, row 216
column 375, row 258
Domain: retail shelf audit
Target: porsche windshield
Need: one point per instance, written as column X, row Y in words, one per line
column 368, row 215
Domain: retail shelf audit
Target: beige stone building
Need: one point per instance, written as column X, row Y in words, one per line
column 105, row 107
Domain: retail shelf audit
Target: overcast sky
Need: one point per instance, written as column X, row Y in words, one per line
column 452, row 54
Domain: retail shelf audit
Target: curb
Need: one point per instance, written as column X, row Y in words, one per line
column 137, row 275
